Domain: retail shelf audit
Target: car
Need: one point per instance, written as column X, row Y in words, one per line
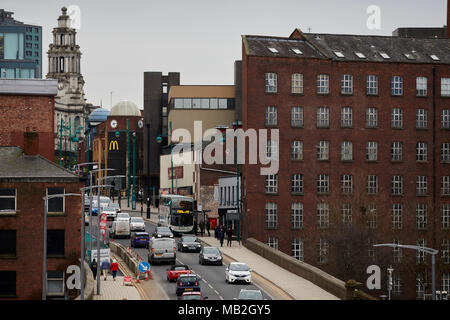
column 238, row 272
column 192, row 295
column 123, row 215
column 162, row 250
column 187, row 282
column 246, row 294
column 210, row 255
column 140, row 239
column 114, row 206
column 175, row 271
column 163, row 232
column 110, row 213
column 189, row 243
column 120, row 228
column 137, row 224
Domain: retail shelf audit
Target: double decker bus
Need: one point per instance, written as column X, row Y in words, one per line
column 177, row 213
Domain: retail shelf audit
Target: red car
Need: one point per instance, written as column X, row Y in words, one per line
column 194, row 295
column 174, row 272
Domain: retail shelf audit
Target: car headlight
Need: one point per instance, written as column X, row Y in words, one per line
column 184, row 245
column 159, row 236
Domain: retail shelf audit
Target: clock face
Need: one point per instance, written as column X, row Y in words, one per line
column 140, row 123
column 113, row 124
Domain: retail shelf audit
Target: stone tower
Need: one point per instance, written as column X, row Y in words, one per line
column 64, row 57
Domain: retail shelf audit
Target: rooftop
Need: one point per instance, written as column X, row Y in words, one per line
column 34, row 87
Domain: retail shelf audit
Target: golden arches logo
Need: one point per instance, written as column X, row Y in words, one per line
column 113, row 145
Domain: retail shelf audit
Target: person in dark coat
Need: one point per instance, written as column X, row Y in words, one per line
column 229, row 236
column 208, row 226
column 195, row 227
column 221, row 236
column 202, row 228
column 94, row 268
column 216, row 232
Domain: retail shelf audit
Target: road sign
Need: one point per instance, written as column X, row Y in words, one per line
column 104, row 255
column 232, row 215
column 144, row 266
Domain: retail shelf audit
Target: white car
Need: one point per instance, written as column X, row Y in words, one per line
column 137, row 224
column 110, row 213
column 238, row 272
column 123, row 215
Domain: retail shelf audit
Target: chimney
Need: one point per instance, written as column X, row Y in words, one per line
column 448, row 19
column 31, row 143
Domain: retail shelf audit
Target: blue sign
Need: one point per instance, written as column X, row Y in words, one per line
column 144, row 266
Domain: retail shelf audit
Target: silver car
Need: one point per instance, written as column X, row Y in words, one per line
column 211, row 255
column 245, row 294
column 137, row 224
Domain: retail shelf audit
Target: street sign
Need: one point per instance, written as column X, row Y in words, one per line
column 104, row 255
column 144, row 266
column 232, row 215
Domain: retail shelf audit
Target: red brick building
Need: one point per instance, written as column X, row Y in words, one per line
column 28, row 105
column 364, row 152
column 25, row 178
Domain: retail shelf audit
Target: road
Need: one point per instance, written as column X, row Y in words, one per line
column 212, row 284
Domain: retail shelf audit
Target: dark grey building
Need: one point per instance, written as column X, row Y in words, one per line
column 421, row 33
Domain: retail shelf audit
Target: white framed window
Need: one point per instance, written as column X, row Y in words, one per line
column 421, row 119
column 397, row 185
column 271, row 116
column 372, row 85
column 445, row 119
column 297, row 183
column 8, row 200
column 323, row 183
column 372, row 151
column 445, row 279
column 346, row 212
column 271, row 82
column 297, row 117
column 347, row 184
column 396, row 151
column 271, row 215
column 346, row 117
column 445, row 186
column 445, row 87
column 397, row 118
column 297, row 249
column 421, row 151
column 445, row 216
column 347, row 84
column 272, row 242
column 297, row 150
column 397, row 86
column 421, row 216
column 323, row 84
column 371, row 117
column 272, row 183
column 421, row 86
column 297, row 215
column 323, row 150
column 420, row 255
column 323, row 117
column 421, row 185
column 346, row 151
column 420, row 286
column 297, row 83
column 397, row 285
column 323, row 251
column 372, row 184
column 397, row 216
column 445, row 152
column 55, row 283
column 397, row 252
column 272, row 150
column 323, row 215
column 445, row 251
column 371, row 216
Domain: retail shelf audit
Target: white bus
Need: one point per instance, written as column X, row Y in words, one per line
column 177, row 213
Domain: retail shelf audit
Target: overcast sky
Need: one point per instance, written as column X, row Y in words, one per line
column 201, row 39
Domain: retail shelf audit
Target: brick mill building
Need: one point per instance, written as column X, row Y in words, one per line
column 364, row 153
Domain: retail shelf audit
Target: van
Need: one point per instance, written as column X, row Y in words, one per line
column 162, row 250
column 120, row 228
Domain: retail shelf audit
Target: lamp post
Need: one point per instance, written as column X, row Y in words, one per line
column 237, row 124
column 390, row 270
column 159, row 139
column 133, row 198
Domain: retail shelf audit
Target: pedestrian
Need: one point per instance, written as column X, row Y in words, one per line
column 229, row 235
column 195, row 227
column 114, row 268
column 216, row 232
column 202, row 228
column 221, row 236
column 208, row 226
column 94, row 268
column 105, row 268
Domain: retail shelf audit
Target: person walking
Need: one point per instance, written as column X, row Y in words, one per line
column 114, row 268
column 208, row 226
column 221, row 236
column 229, row 236
column 105, row 268
column 94, row 268
column 195, row 227
column 202, row 228
column 216, row 232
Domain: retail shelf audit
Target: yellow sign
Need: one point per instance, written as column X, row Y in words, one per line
column 182, row 211
column 113, row 145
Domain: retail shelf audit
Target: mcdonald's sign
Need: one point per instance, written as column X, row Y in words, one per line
column 113, row 145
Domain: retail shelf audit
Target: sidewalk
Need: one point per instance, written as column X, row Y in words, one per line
column 297, row 287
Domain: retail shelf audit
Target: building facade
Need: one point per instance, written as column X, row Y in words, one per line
column 363, row 151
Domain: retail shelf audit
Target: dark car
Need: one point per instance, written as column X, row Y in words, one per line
column 140, row 239
column 189, row 243
column 210, row 255
column 163, row 232
column 187, row 283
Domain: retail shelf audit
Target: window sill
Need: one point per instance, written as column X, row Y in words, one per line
column 296, row 160
column 323, row 127
column 397, row 95
column 271, row 228
column 297, row 193
column 422, row 161
column 9, row 213
column 346, row 94
column 272, row 193
column 422, row 195
column 444, row 162
column 323, row 94
column 346, row 127
column 301, row 127
column 349, row 161
column 271, row 125
column 8, row 257
column 323, row 193
column 396, row 161
column 56, row 257
column 372, row 128
column 271, row 93
column 297, row 94
column 56, row 214
column 372, row 95
column 421, row 96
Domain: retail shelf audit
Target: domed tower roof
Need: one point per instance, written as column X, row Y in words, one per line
column 98, row 115
column 125, row 108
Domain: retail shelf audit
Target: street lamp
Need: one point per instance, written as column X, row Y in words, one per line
column 133, row 198
column 237, row 124
column 159, row 139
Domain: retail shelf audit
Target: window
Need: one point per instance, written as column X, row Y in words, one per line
column 8, row 201
column 7, row 283
column 55, row 243
column 445, row 186
column 421, row 151
column 421, row 119
column 445, row 153
column 297, row 183
column 55, row 205
column 372, row 184
column 273, row 50
column 421, row 86
column 397, row 216
column 297, row 51
column 445, row 216
column 271, row 83
column 445, row 87
column 339, row 54
column 397, row 86
column 271, row 215
column 384, row 55
column 346, row 211
column 323, row 215
column 397, row 185
column 272, row 150
column 272, row 242
column 371, row 151
column 420, row 255
column 445, row 282
column 297, row 117
column 271, row 116
column 297, row 83
column 55, row 283
column 397, row 285
column 371, row 117
column 445, row 251
column 346, row 117
column 272, row 183
column 420, row 286
column 297, row 249
column 371, row 216
column 397, row 118
column 323, row 118
column 421, row 185
column 323, row 183
column 347, row 184
column 397, row 252
column 8, row 243
column 445, row 119
column 297, row 215
column 323, row 84
column 421, row 216
column 323, row 151
column 371, row 253
column 372, row 85
column 346, row 151
column 323, row 251
column 347, row 84
column 360, row 55
column 297, row 150
column 396, row 151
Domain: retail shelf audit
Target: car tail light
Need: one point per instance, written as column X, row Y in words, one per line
column 153, row 250
column 174, row 248
column 179, row 283
column 196, row 283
